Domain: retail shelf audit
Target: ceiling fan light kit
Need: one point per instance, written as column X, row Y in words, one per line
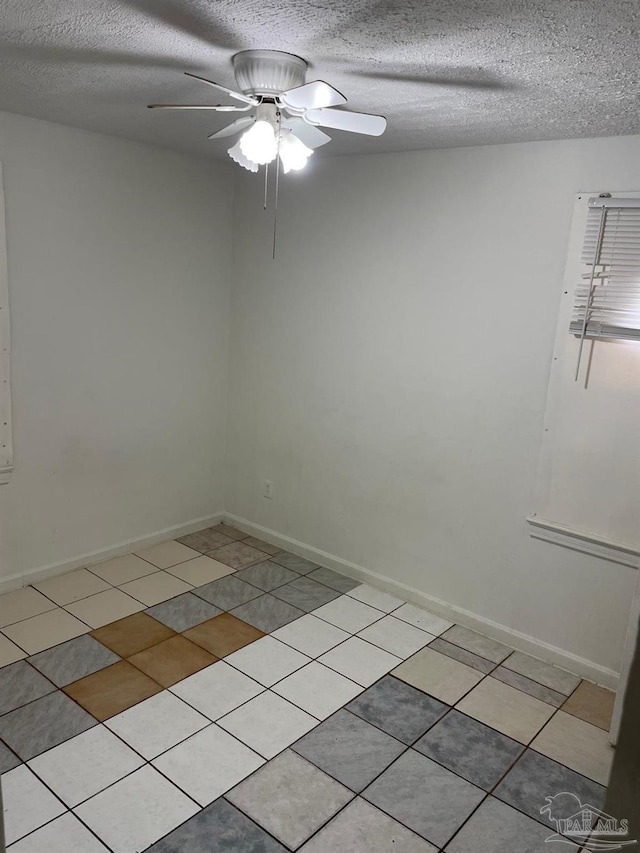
column 284, row 113
column 273, row 84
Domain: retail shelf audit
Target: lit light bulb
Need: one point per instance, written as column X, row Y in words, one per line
column 258, row 144
column 294, row 154
column 236, row 154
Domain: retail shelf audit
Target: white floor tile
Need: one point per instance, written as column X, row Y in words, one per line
column 318, row 690
column 71, row 587
column 310, row 635
column 268, row 724
column 155, row 588
column 208, row 764
column 267, row 660
column 376, row 598
column 137, row 811
column 105, row 607
column 396, row 636
column 80, row 767
column 200, row 570
column 156, row 724
column 217, row 690
column 9, row 652
column 360, row 661
column 122, row 569
column 347, row 613
column 49, row 629
column 28, row 804
column 167, row 554
column 65, row 834
column 22, row 604
column 422, row 619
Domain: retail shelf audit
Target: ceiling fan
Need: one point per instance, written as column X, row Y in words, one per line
column 285, row 114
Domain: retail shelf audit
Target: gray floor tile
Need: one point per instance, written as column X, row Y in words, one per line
column 349, row 749
column 267, row 576
column 334, row 579
column 73, row 660
column 521, row 682
column 205, row 540
column 424, row 796
column 237, row 555
column 219, row 827
column 534, row 778
column 227, row 592
column 290, row 798
column 544, row 673
column 183, row 612
column 362, row 828
column 471, row 749
column 498, row 827
column 267, row 613
column 464, row 656
column 19, row 684
column 399, row 709
column 261, row 545
column 477, row 643
column 8, row 760
column 297, row 564
column 43, row 724
column 306, row 594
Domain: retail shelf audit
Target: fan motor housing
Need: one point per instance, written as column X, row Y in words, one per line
column 268, row 72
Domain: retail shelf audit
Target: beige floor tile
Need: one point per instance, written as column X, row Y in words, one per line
column 22, row 604
column 155, row 588
column 41, row 632
column 9, row 652
column 167, row 554
column 591, row 703
column 72, row 586
column 438, row 675
column 105, row 607
column 122, row 569
column 578, row 745
column 200, row 571
column 506, row 709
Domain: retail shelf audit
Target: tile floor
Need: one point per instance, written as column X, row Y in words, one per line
column 216, row 694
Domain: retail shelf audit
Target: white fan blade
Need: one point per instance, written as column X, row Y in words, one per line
column 312, row 96
column 312, row 136
column 235, row 127
column 247, row 99
column 217, row 107
column 345, row 120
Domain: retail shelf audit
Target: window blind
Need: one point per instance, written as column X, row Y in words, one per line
column 607, row 299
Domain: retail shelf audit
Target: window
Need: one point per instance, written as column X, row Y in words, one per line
column 607, row 301
column 6, row 450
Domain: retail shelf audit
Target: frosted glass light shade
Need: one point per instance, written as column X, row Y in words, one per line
column 294, row 154
column 259, row 144
column 236, row 154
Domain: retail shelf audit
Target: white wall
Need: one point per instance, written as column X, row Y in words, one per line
column 119, row 269
column 389, row 374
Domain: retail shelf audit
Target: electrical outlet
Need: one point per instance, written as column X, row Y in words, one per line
column 268, row 489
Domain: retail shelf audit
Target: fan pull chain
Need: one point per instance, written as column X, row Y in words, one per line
column 266, row 184
column 275, row 209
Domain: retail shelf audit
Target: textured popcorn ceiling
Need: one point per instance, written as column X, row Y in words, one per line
column 468, row 72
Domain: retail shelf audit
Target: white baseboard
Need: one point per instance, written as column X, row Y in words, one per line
column 40, row 573
column 502, row 633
